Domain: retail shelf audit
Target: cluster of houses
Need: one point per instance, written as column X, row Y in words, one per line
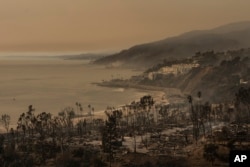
column 174, row 69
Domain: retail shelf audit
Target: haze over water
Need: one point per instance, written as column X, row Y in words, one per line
column 50, row 84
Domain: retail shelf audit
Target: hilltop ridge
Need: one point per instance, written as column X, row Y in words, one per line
column 227, row 37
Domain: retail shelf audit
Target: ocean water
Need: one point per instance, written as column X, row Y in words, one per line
column 51, row 84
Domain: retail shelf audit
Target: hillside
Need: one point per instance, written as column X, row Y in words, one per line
column 231, row 36
column 217, row 74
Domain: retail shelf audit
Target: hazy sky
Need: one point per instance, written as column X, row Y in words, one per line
column 104, row 25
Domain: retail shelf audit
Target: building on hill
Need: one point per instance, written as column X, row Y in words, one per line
column 175, row 69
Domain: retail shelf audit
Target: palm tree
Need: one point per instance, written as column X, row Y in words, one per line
column 79, row 108
column 77, row 105
column 89, row 106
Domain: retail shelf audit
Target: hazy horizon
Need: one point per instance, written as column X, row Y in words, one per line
column 104, row 26
column 47, row 54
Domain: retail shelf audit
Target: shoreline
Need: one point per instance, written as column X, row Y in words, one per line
column 157, row 96
column 169, row 95
column 169, row 92
column 160, row 95
column 130, row 85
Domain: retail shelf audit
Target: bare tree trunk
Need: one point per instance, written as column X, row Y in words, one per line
column 134, row 143
column 61, row 145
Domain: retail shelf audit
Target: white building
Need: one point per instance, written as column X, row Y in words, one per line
column 175, row 69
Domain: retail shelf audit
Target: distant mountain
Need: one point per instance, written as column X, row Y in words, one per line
column 227, row 37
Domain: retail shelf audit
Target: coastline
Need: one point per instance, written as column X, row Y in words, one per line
column 168, row 92
column 129, row 85
column 51, row 84
column 156, row 94
column 61, row 83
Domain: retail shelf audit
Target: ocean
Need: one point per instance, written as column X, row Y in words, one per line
column 51, row 84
